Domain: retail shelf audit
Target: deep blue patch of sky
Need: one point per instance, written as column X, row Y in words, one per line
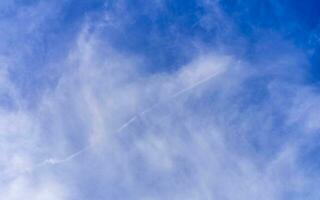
column 163, row 35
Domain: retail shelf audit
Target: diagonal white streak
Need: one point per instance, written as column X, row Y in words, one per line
column 193, row 85
column 127, row 124
column 55, row 161
column 184, row 90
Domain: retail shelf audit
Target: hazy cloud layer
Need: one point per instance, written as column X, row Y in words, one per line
column 112, row 108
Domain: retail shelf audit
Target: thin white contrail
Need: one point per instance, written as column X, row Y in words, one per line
column 127, row 123
column 184, row 90
column 193, row 85
column 54, row 161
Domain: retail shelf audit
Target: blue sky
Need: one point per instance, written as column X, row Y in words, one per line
column 159, row 99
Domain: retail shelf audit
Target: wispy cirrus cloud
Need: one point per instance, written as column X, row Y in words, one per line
column 229, row 119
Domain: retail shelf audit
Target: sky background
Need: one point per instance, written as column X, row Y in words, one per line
column 159, row 99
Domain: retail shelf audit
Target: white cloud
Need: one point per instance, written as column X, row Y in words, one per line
column 25, row 188
column 194, row 133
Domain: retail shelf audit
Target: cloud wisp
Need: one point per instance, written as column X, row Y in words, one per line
column 113, row 122
column 202, row 80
